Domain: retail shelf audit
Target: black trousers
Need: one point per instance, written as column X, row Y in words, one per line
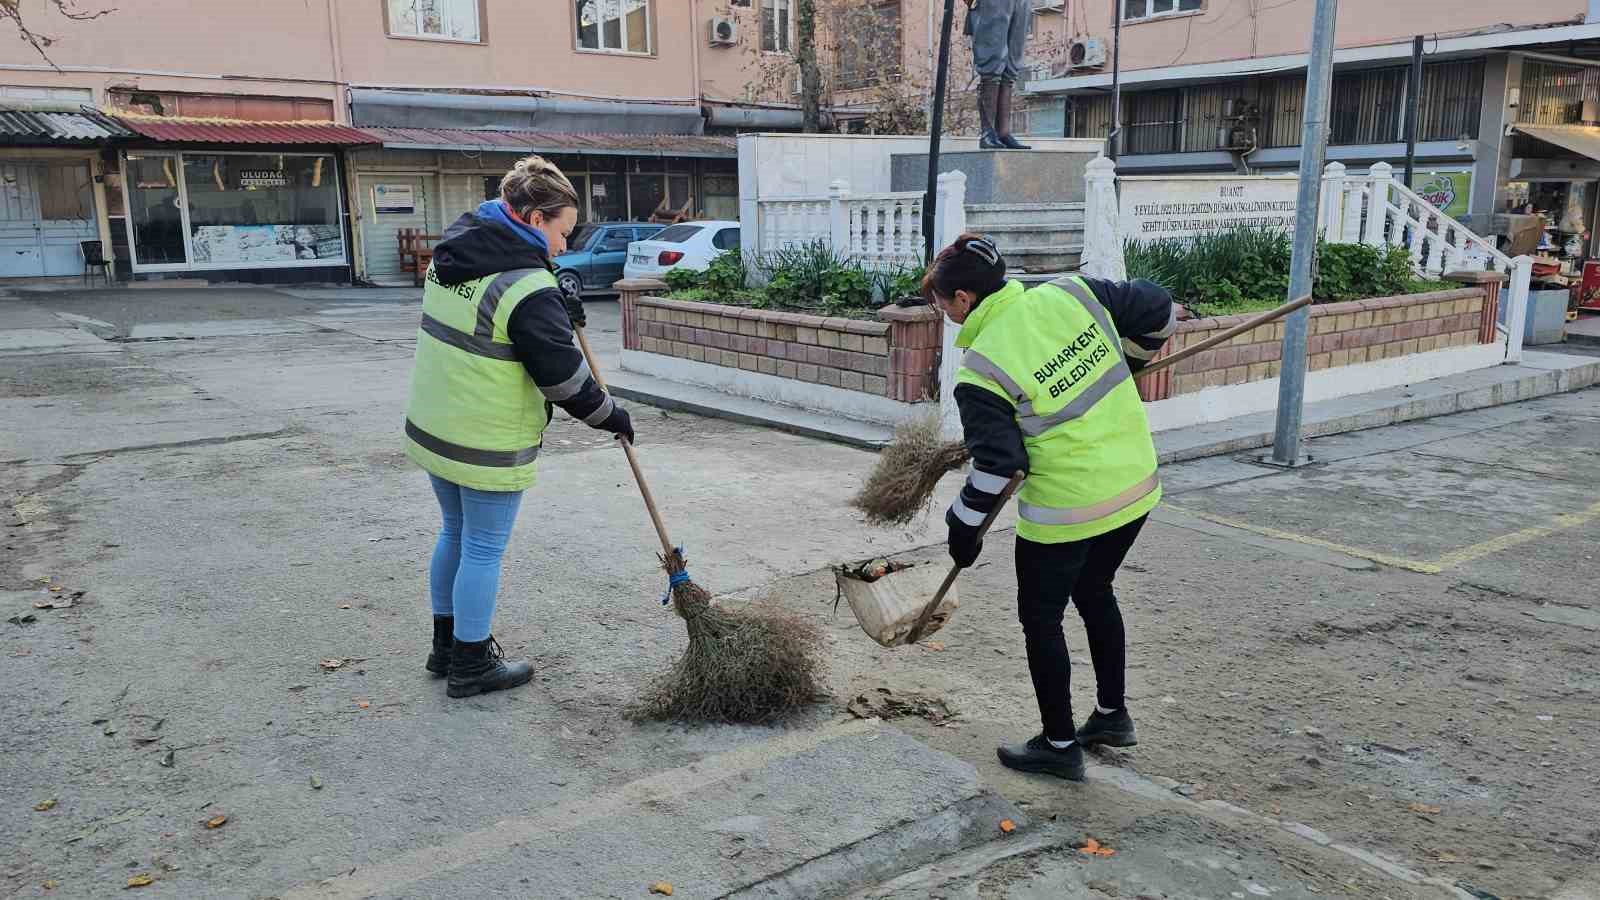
column 1048, row 576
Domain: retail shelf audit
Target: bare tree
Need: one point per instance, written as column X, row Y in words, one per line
column 805, row 12
column 11, row 10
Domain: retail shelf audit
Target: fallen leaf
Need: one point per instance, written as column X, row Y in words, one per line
column 42, row 604
column 44, row 806
column 344, row 606
column 316, row 783
column 49, row 884
column 1095, row 848
column 661, row 887
column 110, row 730
column 363, row 703
column 216, row 822
column 331, row 664
column 1007, row 826
column 167, row 759
column 1446, row 856
column 55, row 589
column 28, row 619
column 1425, row 809
column 141, row 881
column 935, row 646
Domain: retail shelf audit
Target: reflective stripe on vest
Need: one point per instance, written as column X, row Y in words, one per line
column 1033, row 425
column 472, row 456
column 1055, row 515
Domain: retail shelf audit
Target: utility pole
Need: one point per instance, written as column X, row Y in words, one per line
column 1302, row 265
column 930, row 200
column 1413, row 98
column 1114, row 138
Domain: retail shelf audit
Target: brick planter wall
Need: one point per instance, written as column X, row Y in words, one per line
column 897, row 357
column 1341, row 334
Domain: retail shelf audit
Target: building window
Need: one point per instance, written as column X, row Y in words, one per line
column 445, row 20
column 868, row 49
column 776, row 25
column 1137, row 10
column 232, row 210
column 1451, row 100
column 614, row 26
column 1553, row 93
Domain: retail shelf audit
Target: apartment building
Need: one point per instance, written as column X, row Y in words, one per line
column 1507, row 111
column 217, row 141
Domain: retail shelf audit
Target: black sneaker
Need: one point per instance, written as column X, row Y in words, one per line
column 439, row 657
column 1011, row 143
column 1108, row 730
column 478, row 667
column 988, row 140
column 1038, row 756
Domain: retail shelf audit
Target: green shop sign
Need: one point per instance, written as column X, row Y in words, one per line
column 1450, row 191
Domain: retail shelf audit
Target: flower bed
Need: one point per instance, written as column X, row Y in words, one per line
column 1341, row 334
column 895, row 357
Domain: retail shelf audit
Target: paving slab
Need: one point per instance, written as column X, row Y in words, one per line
column 52, row 339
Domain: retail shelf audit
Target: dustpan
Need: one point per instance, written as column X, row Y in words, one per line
column 894, row 608
column 888, row 607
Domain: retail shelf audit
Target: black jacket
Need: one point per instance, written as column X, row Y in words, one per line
column 541, row 333
column 1145, row 317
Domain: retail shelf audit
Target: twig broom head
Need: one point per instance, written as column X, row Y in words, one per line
column 907, row 473
column 744, row 665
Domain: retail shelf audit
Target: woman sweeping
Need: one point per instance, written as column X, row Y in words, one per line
column 1046, row 387
column 495, row 351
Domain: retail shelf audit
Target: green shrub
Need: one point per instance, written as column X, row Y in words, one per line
column 726, row 274
column 683, row 279
column 846, row 287
column 1356, row 271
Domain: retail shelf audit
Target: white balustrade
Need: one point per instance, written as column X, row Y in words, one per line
column 881, row 230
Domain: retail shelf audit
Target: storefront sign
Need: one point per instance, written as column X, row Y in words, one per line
column 1450, row 191
column 262, row 178
column 1185, row 207
column 395, row 199
column 599, row 190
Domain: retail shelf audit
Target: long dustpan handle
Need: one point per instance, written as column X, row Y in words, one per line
column 633, row 459
column 927, row 611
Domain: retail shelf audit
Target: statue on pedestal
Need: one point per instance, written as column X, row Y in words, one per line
column 999, row 30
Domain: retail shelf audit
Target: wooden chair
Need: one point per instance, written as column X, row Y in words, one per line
column 416, row 252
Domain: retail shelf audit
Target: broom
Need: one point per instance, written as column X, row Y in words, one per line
column 745, row 665
column 910, row 468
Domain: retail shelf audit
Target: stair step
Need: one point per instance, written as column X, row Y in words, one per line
column 1034, row 226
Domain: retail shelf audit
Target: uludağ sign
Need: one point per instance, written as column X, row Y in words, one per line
column 1186, row 206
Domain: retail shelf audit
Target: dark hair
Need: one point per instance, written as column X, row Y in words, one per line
column 970, row 264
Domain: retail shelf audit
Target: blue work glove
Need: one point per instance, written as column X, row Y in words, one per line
column 965, row 545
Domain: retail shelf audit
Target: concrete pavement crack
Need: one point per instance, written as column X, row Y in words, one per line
column 98, row 455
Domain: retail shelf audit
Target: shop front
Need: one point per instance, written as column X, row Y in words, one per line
column 1550, row 201
column 234, row 202
column 52, row 195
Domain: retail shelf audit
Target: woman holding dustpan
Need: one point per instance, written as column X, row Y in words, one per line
column 1046, row 386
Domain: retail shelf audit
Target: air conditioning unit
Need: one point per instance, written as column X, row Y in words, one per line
column 723, row 31
column 1054, row 6
column 1086, row 53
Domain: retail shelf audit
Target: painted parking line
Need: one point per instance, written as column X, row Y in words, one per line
column 1556, row 523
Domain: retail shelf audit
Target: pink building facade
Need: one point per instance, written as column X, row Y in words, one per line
column 299, row 146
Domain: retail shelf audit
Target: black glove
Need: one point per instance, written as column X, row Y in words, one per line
column 619, row 424
column 965, row 545
column 574, row 305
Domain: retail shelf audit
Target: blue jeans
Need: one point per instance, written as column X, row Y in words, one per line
column 464, row 576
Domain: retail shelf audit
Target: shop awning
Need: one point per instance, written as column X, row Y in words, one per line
column 1583, row 140
column 500, row 141
column 35, row 127
column 542, row 113
column 171, row 129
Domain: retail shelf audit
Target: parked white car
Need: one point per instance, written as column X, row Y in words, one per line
column 687, row 245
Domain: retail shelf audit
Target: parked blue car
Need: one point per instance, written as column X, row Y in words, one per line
column 596, row 252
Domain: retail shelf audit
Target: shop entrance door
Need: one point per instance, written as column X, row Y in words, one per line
column 388, row 204
column 45, row 211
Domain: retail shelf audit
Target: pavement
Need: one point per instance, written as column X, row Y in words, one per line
column 207, row 502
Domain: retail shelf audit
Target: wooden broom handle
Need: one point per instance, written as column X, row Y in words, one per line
column 667, row 547
column 1249, row 324
column 950, row 579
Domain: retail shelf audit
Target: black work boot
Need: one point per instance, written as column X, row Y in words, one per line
column 1108, row 729
column 439, row 657
column 1038, row 756
column 478, row 667
column 988, row 100
column 1002, row 119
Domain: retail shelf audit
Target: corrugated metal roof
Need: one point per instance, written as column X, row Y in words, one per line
column 555, row 142
column 18, row 126
column 1584, row 140
column 171, row 129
